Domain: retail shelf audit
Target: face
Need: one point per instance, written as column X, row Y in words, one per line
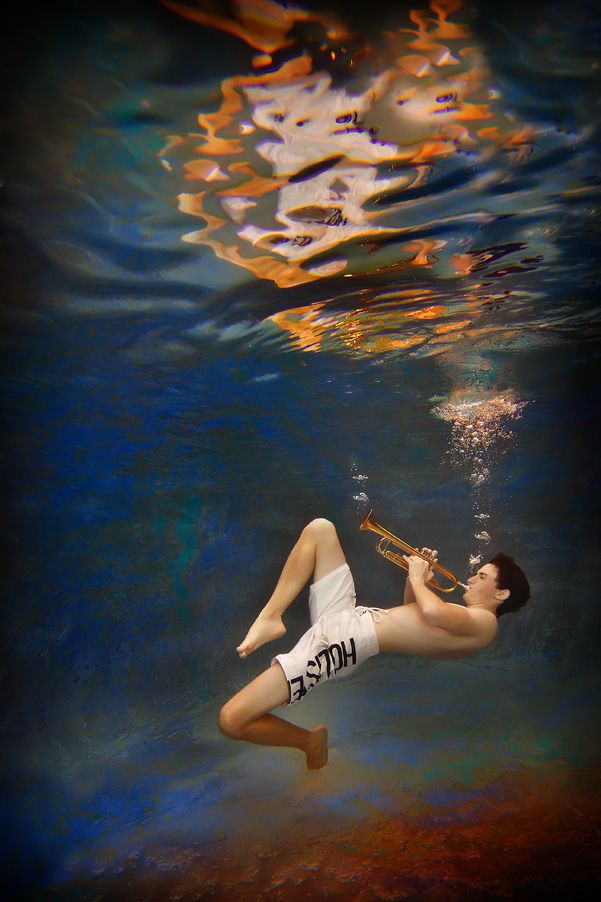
column 482, row 586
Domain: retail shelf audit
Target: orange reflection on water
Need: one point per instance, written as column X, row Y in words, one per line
column 426, row 313
column 391, row 321
column 305, row 325
column 293, row 168
column 452, row 327
column 263, row 24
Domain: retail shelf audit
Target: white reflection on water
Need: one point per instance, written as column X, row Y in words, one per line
column 298, row 177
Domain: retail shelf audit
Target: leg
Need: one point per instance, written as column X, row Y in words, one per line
column 246, row 717
column 316, row 553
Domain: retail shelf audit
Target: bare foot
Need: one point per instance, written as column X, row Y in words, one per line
column 263, row 630
column 317, row 748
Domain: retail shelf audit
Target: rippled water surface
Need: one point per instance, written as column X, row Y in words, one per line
column 264, row 264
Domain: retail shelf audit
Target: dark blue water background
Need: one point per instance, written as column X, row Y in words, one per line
column 164, row 446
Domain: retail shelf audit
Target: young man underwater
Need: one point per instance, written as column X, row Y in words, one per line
column 342, row 635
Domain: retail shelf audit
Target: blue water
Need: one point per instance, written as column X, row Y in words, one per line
column 166, row 440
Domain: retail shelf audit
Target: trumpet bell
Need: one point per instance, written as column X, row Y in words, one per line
column 389, row 538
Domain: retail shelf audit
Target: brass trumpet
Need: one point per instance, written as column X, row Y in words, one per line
column 388, row 538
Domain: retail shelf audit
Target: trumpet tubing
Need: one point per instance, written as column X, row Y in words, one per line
column 389, row 538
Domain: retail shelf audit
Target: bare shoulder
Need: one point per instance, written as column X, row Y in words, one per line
column 485, row 624
column 481, row 621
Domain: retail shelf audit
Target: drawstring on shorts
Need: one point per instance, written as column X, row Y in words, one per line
column 377, row 613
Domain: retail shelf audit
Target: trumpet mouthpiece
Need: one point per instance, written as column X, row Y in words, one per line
column 463, row 585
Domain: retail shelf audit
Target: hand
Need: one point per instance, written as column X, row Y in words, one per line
column 418, row 570
column 432, row 554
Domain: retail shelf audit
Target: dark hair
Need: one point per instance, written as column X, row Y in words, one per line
column 512, row 577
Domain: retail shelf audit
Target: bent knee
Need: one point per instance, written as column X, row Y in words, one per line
column 320, row 527
column 229, row 722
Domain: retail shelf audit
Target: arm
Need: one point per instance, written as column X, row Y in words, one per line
column 409, row 596
column 450, row 617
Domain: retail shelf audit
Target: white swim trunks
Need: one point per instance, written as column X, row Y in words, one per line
column 340, row 639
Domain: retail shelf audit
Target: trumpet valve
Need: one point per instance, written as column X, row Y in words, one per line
column 382, row 546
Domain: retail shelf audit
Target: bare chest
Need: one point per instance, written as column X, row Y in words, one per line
column 405, row 630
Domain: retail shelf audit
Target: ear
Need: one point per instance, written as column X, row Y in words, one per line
column 502, row 594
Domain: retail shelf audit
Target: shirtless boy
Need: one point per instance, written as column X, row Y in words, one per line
column 342, row 636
